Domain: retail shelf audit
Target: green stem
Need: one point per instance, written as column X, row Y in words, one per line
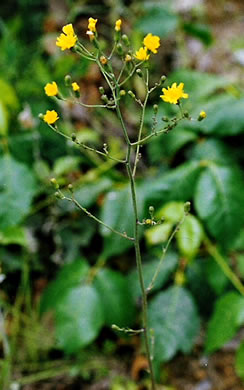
column 213, row 251
column 137, row 250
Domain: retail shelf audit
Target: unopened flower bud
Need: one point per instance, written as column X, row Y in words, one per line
column 54, row 182
column 119, row 49
column 101, row 90
column 131, row 94
column 187, row 207
column 104, row 98
column 151, row 209
column 70, row 188
column 41, row 116
column 139, row 73
column 165, row 119
column 59, row 195
column 122, row 92
column 125, row 39
column 162, row 79
column 155, row 108
column 148, row 221
column 202, row 116
column 67, row 80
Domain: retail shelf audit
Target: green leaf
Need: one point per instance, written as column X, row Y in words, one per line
column 70, row 276
column 78, row 318
column 219, row 199
column 178, row 184
column 199, row 30
column 213, row 150
column 3, row 119
column 8, row 95
column 117, row 301
column 65, row 165
column 17, row 188
column 171, row 212
column 225, row 321
column 167, row 268
column 197, row 84
column 239, row 364
column 88, row 193
column 158, row 20
column 158, row 234
column 117, row 212
column 13, row 235
column 189, row 237
column 217, row 280
column 224, row 116
column 173, row 316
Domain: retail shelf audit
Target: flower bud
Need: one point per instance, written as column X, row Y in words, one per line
column 151, row 209
column 103, row 60
column 54, row 182
column 155, row 108
column 104, row 98
column 162, row 79
column 59, row 195
column 139, row 73
column 67, row 80
column 131, row 94
column 202, row 116
column 187, row 207
column 128, row 58
column 125, row 39
column 122, row 92
column 101, row 90
column 41, row 116
column 119, row 49
column 165, row 119
column 70, row 188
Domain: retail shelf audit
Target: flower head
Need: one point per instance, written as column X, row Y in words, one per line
column 174, row 93
column 118, row 25
column 152, row 42
column 75, row 86
column 51, row 89
column 67, row 39
column 202, row 116
column 92, row 24
column 50, row 117
column 141, row 54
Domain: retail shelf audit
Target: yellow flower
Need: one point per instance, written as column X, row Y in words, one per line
column 67, row 39
column 203, row 114
column 118, row 25
column 75, row 86
column 152, row 42
column 174, row 93
column 51, row 89
column 141, row 54
column 92, row 24
column 50, row 117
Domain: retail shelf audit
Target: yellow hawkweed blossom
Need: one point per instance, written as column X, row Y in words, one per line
column 152, row 42
column 51, row 89
column 50, row 117
column 92, row 24
column 141, row 54
column 174, row 93
column 203, row 114
column 118, row 25
column 75, row 87
column 67, row 39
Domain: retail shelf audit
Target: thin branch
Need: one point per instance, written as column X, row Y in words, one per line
column 73, row 200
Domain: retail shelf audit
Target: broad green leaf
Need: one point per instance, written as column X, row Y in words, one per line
column 199, row 30
column 3, row 119
column 224, row 116
column 158, row 20
column 225, row 321
column 13, row 235
column 70, row 276
column 174, row 319
column 117, row 212
column 167, row 268
column 65, row 165
column 213, row 150
column 89, row 192
column 178, row 184
column 197, row 84
column 8, row 95
column 117, row 303
column 216, row 278
column 239, row 364
column 219, row 199
column 171, row 212
column 189, row 237
column 17, row 188
column 78, row 318
column 158, row 234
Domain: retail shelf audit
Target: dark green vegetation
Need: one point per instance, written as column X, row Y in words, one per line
column 65, row 281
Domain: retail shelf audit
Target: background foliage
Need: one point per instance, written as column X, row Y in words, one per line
column 49, row 250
